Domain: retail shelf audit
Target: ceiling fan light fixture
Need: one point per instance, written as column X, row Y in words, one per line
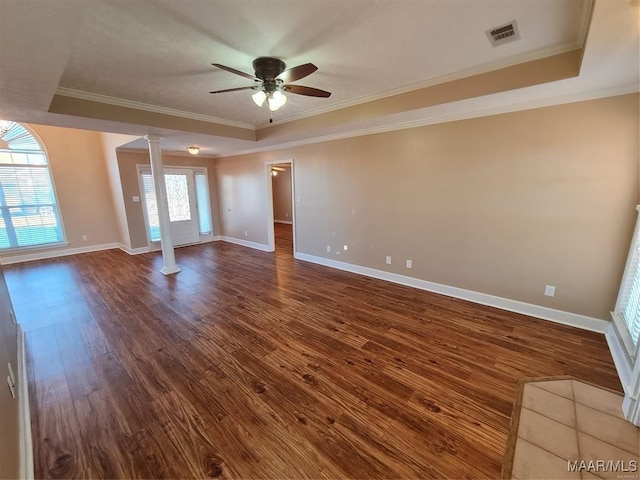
column 259, row 97
column 193, row 150
column 276, row 100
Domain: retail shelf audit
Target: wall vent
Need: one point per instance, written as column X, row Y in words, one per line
column 504, row 34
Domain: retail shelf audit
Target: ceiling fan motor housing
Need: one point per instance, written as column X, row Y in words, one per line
column 268, row 68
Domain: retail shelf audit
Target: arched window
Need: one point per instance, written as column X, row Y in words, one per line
column 28, row 208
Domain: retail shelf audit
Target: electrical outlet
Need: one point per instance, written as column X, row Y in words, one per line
column 388, row 260
column 328, row 248
column 409, row 263
column 85, row 238
column 550, row 290
column 246, row 233
column 346, row 247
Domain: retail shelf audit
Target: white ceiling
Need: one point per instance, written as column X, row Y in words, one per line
column 157, row 55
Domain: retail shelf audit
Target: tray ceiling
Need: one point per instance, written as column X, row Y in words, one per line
column 156, row 55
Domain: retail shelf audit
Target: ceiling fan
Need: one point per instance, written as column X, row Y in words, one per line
column 272, row 80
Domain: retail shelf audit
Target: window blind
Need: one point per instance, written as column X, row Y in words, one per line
column 202, row 198
column 149, row 190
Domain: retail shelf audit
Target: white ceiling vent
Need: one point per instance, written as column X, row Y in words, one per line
column 504, row 34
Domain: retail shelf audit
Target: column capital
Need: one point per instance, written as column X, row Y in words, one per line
column 153, row 138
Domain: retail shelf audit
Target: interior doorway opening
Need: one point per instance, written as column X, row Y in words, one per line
column 282, row 218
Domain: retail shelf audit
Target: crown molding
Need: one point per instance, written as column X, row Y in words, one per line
column 585, row 23
column 120, row 102
column 445, row 118
column 468, row 72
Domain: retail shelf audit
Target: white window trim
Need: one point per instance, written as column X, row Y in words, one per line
column 618, row 320
column 626, row 355
column 63, row 242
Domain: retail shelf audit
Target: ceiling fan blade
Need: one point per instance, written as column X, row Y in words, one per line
column 308, row 91
column 296, row 73
column 237, row 72
column 233, row 89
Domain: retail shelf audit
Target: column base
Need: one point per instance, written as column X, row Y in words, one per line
column 170, row 270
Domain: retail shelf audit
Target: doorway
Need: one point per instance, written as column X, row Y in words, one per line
column 281, row 201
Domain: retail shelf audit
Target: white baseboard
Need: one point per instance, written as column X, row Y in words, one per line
column 24, row 412
column 62, row 252
column 133, row 251
column 155, row 246
column 545, row 313
column 218, row 238
column 244, row 243
column 621, row 360
column 286, row 222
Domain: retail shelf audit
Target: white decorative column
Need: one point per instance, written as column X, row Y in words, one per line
column 157, row 172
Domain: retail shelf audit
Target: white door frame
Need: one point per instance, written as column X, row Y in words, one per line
column 271, row 236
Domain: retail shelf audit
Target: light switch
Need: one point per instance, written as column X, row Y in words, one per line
column 135, row 199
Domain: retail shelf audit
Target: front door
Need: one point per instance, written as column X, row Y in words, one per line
column 181, row 200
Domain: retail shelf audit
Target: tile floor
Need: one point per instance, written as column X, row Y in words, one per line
column 565, row 423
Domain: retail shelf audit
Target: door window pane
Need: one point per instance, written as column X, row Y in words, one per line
column 178, row 197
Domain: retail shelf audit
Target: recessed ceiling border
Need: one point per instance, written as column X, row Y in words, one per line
column 119, row 102
column 478, row 70
column 446, row 118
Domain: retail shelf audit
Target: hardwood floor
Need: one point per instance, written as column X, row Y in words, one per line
column 283, row 233
column 254, row 365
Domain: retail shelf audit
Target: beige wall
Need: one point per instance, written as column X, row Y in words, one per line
column 127, row 165
column 110, row 142
column 281, row 184
column 9, row 424
column 82, row 184
column 242, row 196
column 501, row 205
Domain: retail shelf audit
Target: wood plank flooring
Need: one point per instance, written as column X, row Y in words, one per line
column 254, row 365
column 284, row 238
